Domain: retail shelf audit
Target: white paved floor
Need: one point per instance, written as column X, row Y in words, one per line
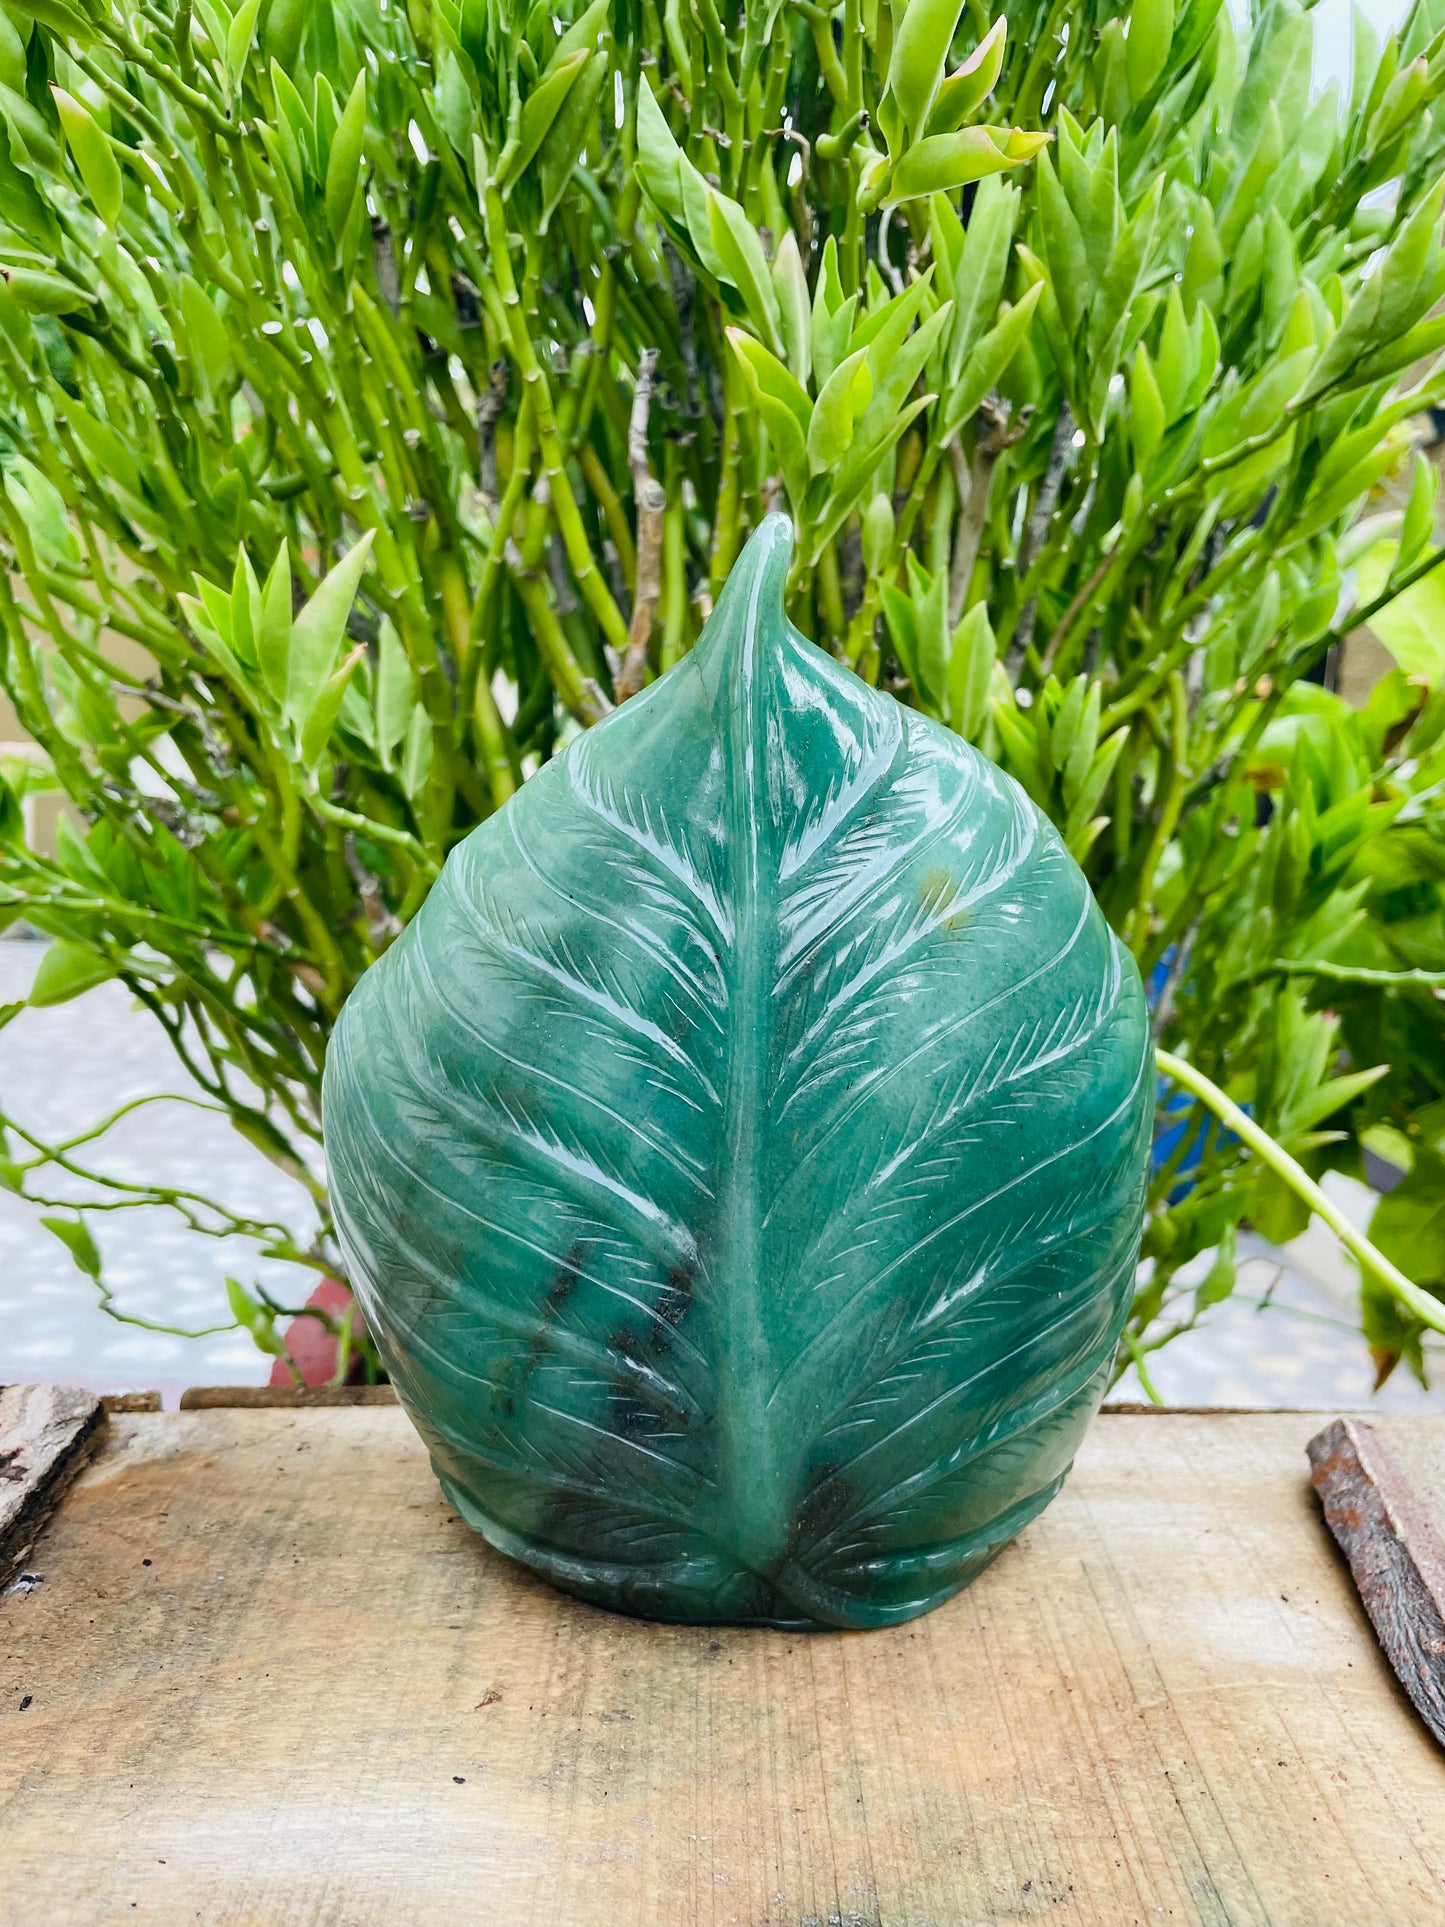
column 61, row 1069
column 1287, row 1338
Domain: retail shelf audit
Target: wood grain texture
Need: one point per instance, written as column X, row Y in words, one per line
column 46, row 1434
column 1395, row 1556
column 324, row 1701
column 290, row 1398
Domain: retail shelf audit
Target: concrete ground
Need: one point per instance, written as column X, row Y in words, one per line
column 60, row 1071
column 1285, row 1339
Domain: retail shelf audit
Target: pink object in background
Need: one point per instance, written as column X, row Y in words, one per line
column 313, row 1348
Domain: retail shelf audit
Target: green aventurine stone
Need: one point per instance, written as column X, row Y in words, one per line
column 740, row 1160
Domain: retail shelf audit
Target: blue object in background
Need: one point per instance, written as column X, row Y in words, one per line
column 1171, row 1119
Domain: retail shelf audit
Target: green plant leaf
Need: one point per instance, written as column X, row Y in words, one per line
column 941, row 162
column 416, row 759
column 843, row 398
column 217, row 605
column 42, row 508
column 26, row 211
column 659, row 158
column 1203, row 263
column 1412, row 626
column 1389, row 303
column 902, row 619
column 1277, row 77
column 542, row 107
column 282, row 29
column 214, row 17
column 879, row 528
column 585, row 32
column 1151, row 28
column 1148, row 410
column 742, row 1154
column 317, row 631
column 215, row 644
column 735, row 243
column 991, row 356
column 206, row 335
column 1177, row 358
column 921, row 40
column 790, row 286
column 567, row 137
column 1419, row 522
column 968, row 86
column 92, row 154
column 930, row 608
column 246, row 612
column 12, row 818
column 12, row 55
column 75, row 1235
column 316, row 728
column 241, row 37
column 343, row 166
column 1408, row 1224
column 1067, row 258
column 74, row 19
column 273, row 637
column 395, row 690
column 66, row 970
column 976, row 278
column 30, row 133
column 970, row 669
column 254, row 1317
column 40, row 292
column 454, row 111
column 1219, row 1281
column 783, row 405
column 298, row 123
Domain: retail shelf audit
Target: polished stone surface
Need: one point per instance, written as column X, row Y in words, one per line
column 741, row 1158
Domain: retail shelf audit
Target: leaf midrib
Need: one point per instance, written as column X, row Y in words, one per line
column 752, row 1477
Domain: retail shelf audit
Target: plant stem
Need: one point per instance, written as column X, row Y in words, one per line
column 1136, row 1353
column 1419, row 1303
column 569, row 522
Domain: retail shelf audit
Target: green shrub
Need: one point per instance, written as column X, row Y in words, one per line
column 385, row 391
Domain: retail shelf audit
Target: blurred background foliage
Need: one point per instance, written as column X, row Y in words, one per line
column 386, row 390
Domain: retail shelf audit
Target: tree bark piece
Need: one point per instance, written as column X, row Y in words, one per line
column 46, row 1435
column 1395, row 1556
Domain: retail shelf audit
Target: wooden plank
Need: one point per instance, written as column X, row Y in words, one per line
column 1394, row 1553
column 291, row 1398
column 46, row 1434
column 271, row 1679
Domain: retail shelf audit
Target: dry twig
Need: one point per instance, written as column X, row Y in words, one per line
column 651, row 500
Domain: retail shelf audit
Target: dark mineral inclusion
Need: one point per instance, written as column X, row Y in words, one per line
column 740, row 1160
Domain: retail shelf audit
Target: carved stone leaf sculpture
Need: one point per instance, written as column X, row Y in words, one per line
column 740, row 1160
